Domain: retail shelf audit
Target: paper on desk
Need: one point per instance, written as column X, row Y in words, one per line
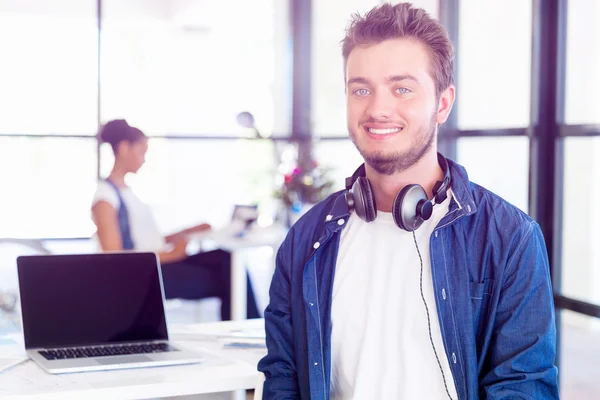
column 28, row 379
column 9, row 362
column 250, row 329
column 257, row 333
column 237, row 338
column 239, row 341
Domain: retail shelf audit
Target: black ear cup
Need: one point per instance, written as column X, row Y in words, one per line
column 364, row 202
column 411, row 207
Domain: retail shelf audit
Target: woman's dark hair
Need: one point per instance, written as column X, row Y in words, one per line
column 117, row 131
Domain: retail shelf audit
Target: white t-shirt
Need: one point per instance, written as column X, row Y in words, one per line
column 143, row 228
column 380, row 337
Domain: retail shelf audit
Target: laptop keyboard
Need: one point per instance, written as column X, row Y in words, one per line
column 106, row 351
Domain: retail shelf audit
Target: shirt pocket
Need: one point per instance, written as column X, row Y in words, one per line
column 481, row 289
column 481, row 295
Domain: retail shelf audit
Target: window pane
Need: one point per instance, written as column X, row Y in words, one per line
column 173, row 67
column 580, row 352
column 340, row 158
column 500, row 164
column 583, row 62
column 581, row 217
column 48, row 72
column 494, row 64
column 49, row 186
column 328, row 94
column 186, row 182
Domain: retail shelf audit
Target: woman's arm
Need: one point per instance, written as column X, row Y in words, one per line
column 175, row 237
column 177, row 253
column 107, row 226
column 109, row 234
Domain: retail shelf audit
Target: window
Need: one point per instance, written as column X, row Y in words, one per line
column 48, row 186
column 186, row 68
column 49, row 70
column 581, row 217
column 494, row 63
column 583, row 62
column 499, row 164
column 170, row 68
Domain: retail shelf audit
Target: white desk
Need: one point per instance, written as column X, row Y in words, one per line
column 225, row 369
column 239, row 247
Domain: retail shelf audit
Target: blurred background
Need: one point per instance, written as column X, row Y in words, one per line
column 526, row 123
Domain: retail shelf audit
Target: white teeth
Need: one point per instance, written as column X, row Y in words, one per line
column 384, row 131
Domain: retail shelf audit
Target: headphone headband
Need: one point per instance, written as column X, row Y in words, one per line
column 360, row 171
column 440, row 188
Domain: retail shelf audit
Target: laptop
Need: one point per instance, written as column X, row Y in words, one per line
column 89, row 312
column 242, row 218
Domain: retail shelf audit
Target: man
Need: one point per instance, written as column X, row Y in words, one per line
column 414, row 283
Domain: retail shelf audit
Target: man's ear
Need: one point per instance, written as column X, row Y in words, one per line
column 445, row 104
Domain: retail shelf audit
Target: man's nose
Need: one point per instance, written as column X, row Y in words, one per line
column 382, row 105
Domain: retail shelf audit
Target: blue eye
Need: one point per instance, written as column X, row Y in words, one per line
column 362, row 92
column 402, row 90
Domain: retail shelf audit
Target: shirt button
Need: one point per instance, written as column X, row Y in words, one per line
column 444, row 294
column 316, row 245
column 454, row 358
column 436, row 233
column 312, row 304
column 328, row 218
column 316, row 364
column 341, row 222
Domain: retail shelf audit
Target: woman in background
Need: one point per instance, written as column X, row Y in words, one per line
column 124, row 222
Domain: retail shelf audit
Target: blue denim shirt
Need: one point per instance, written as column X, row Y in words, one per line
column 492, row 292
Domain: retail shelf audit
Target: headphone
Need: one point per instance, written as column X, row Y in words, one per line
column 411, row 206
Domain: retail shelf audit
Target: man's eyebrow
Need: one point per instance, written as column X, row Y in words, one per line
column 398, row 78
column 389, row 79
column 357, row 80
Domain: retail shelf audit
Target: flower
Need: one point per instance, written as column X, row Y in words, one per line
column 304, row 185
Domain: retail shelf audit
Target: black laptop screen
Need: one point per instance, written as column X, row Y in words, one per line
column 72, row 300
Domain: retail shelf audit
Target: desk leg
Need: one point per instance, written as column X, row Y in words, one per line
column 238, row 285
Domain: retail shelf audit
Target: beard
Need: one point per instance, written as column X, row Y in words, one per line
column 400, row 161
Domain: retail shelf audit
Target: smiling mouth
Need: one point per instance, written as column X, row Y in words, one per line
column 386, row 131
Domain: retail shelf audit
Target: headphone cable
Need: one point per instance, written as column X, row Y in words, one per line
column 428, row 319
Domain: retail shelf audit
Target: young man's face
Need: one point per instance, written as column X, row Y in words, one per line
column 393, row 110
